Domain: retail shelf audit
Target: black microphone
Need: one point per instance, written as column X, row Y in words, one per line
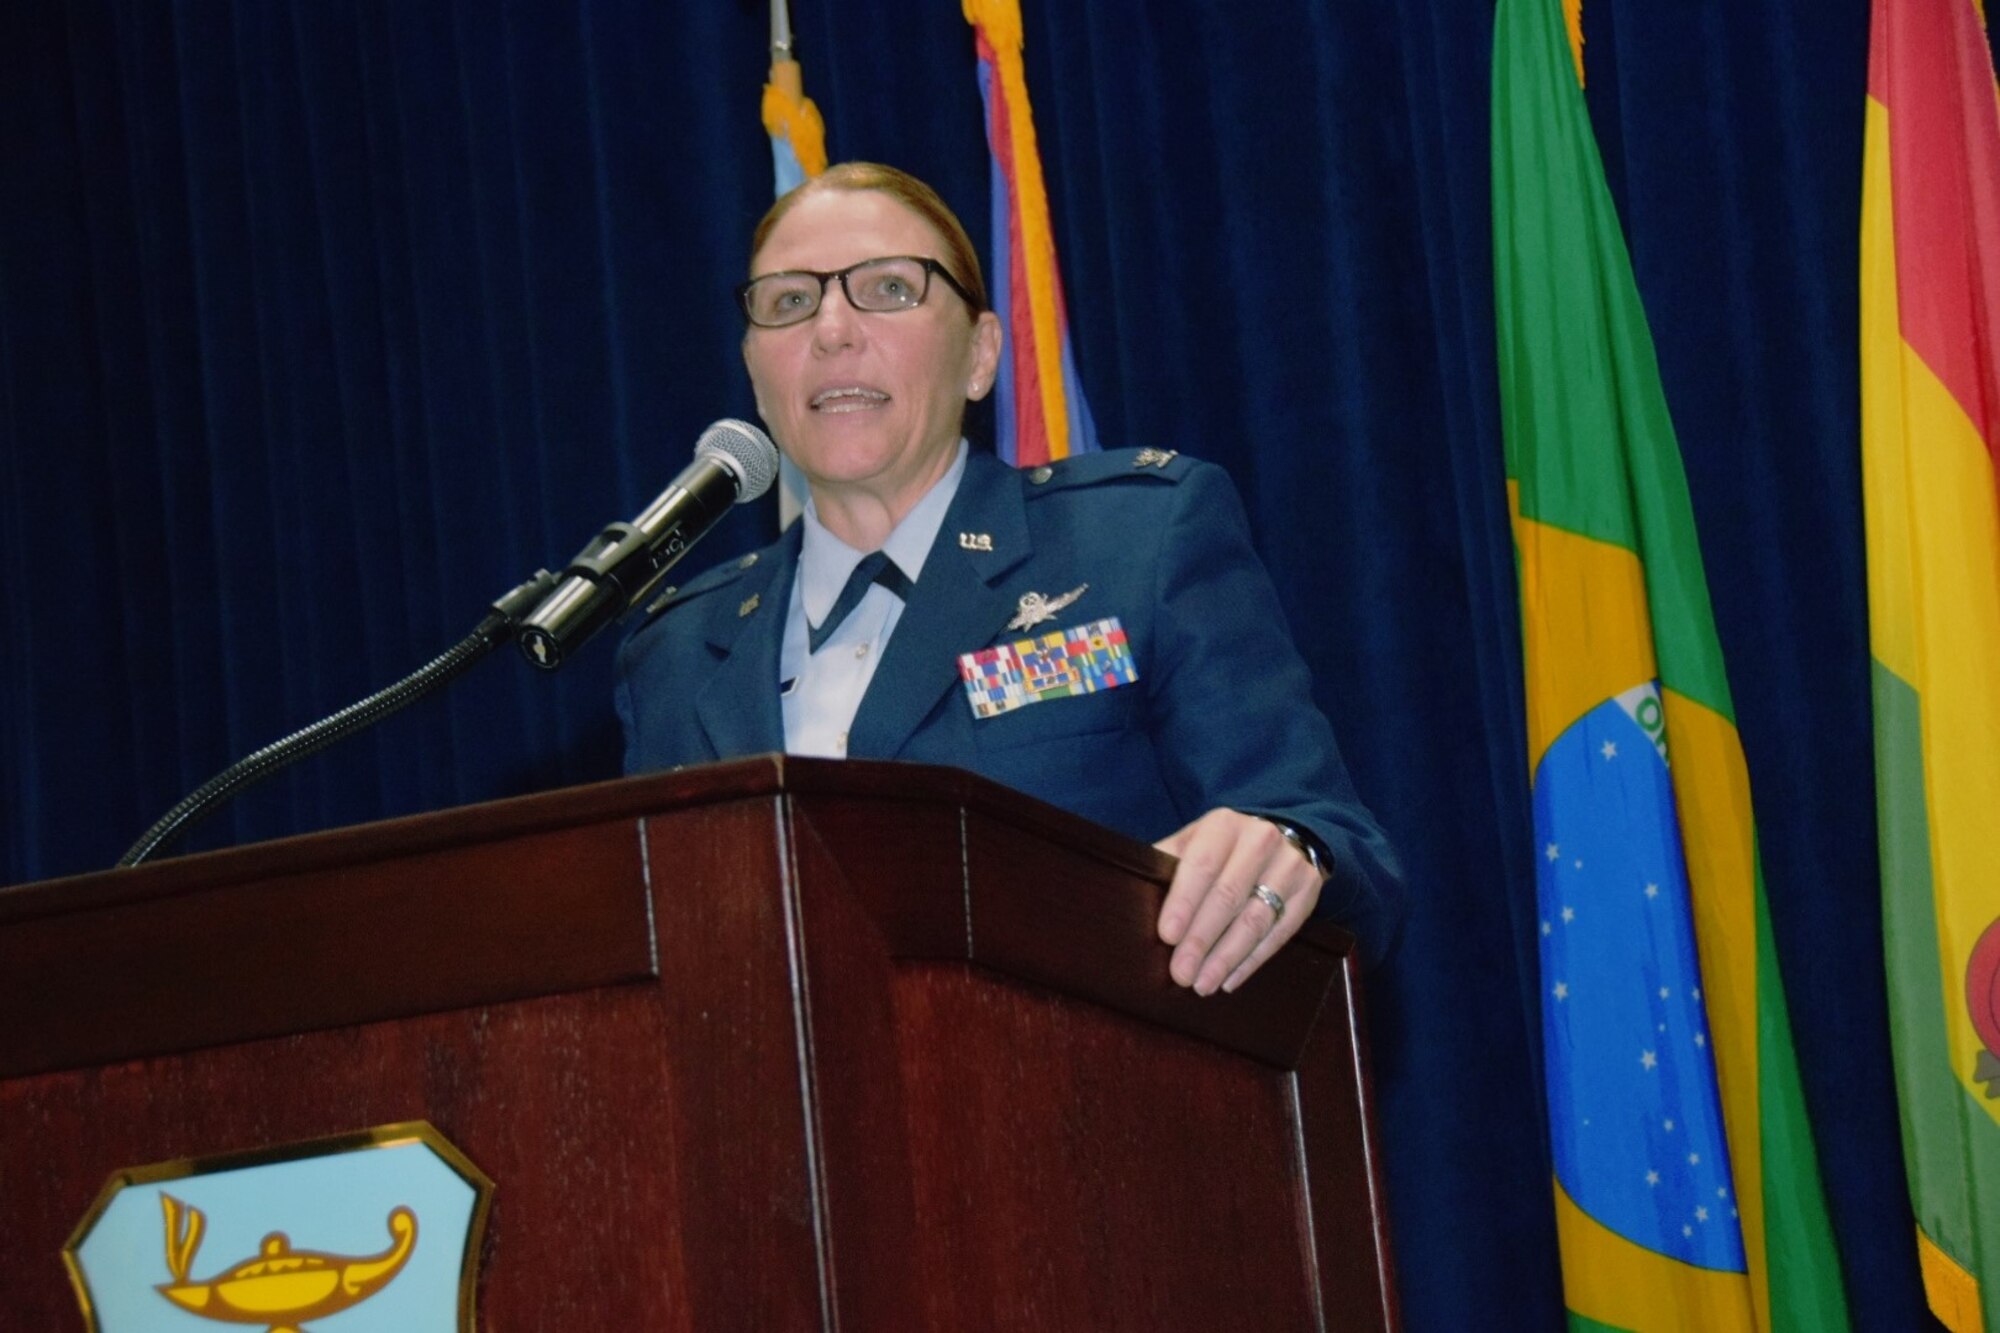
column 734, row 462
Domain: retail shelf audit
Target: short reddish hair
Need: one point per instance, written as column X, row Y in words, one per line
column 905, row 189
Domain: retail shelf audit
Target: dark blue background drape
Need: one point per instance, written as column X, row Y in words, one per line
column 324, row 322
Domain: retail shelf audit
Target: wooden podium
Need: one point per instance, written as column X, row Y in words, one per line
column 776, row 1044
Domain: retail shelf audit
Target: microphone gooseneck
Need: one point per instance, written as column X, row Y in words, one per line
column 492, row 630
column 547, row 615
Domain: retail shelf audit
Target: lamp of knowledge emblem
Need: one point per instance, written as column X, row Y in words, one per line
column 358, row 1234
column 282, row 1287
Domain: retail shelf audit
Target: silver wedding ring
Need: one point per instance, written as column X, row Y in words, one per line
column 1269, row 897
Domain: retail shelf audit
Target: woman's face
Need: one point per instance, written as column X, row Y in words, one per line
column 862, row 401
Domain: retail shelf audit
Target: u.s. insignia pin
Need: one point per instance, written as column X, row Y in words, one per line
column 382, row 1227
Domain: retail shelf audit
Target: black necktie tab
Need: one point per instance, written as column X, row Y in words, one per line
column 873, row 569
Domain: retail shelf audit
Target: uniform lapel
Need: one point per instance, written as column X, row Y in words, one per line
column 957, row 607
column 738, row 705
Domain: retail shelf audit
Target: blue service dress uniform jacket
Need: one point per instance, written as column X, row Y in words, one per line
column 1221, row 713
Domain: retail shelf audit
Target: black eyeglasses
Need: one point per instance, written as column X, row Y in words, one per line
column 879, row 286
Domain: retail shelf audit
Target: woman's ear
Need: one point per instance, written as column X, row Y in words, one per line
column 987, row 338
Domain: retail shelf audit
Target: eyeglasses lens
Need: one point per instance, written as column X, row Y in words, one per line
column 875, row 285
column 886, row 284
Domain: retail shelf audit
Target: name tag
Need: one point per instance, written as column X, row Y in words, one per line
column 1081, row 660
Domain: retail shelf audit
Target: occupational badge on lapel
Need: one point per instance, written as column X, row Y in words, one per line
column 1065, row 662
column 1036, row 607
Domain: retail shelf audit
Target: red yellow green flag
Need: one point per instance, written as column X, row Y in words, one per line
column 1930, row 360
column 1687, row 1187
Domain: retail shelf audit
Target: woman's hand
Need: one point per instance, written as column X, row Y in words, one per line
column 1222, row 929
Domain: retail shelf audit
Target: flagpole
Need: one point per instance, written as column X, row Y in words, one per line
column 798, row 152
column 786, row 76
column 781, row 33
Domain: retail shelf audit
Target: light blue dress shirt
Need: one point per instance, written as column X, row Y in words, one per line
column 822, row 690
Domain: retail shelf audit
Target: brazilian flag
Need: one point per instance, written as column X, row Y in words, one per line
column 1686, row 1184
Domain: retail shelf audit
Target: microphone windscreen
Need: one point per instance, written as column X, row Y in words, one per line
column 745, row 451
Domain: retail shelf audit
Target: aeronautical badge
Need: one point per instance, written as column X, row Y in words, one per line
column 1036, row 607
column 1056, row 665
column 1982, row 997
column 1154, row 457
column 387, row 1220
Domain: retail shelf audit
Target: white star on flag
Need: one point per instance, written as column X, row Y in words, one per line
column 1652, row 890
column 1648, row 1059
column 1610, row 750
column 1652, row 1177
column 1701, row 1214
column 1569, row 915
column 1553, row 852
column 1562, row 990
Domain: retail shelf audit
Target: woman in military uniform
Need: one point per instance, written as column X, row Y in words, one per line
column 909, row 613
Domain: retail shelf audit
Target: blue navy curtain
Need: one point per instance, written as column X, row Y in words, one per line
column 322, row 323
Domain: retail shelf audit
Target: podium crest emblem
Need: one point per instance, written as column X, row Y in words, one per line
column 380, row 1229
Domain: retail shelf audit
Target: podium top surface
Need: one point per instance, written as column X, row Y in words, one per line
column 564, row 890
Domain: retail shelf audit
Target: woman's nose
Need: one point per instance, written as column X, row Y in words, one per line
column 836, row 323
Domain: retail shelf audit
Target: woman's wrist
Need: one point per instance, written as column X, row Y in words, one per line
column 1305, row 844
